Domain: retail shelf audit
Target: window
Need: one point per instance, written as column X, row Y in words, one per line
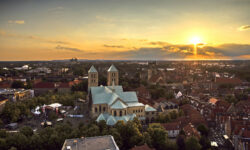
column 115, row 113
column 153, row 113
column 104, row 109
column 100, row 108
column 95, row 109
column 120, row 113
column 147, row 113
column 125, row 112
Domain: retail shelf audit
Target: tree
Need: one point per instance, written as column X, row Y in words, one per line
column 180, row 141
column 27, row 131
column 203, row 130
column 158, row 135
column 192, row 144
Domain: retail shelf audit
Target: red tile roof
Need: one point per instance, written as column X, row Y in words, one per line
column 44, row 85
column 171, row 126
column 228, row 80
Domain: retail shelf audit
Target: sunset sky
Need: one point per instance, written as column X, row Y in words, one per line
column 124, row 29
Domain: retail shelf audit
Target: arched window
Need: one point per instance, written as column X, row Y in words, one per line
column 120, row 113
column 115, row 113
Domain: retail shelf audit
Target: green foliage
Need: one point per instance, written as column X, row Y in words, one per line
column 158, row 135
column 17, row 111
column 82, row 86
column 203, row 130
column 231, row 99
column 192, row 144
column 27, row 131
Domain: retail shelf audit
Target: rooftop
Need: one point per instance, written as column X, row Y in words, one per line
column 106, row 142
column 112, row 68
column 92, row 69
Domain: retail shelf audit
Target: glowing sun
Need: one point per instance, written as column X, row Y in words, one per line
column 195, row 40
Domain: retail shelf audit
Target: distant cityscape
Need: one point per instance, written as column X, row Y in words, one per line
column 125, row 105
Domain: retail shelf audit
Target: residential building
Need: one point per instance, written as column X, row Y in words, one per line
column 106, row 142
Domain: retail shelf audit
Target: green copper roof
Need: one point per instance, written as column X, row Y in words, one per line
column 111, row 120
column 149, row 108
column 109, row 94
column 92, row 69
column 112, row 68
column 118, row 105
column 101, row 117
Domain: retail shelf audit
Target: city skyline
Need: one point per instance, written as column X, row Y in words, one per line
column 124, row 30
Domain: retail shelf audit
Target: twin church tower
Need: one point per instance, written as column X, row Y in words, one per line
column 112, row 77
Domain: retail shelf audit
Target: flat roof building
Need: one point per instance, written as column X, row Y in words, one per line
column 106, row 142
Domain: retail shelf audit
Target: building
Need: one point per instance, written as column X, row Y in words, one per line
column 172, row 128
column 17, row 94
column 106, row 142
column 111, row 103
column 3, row 100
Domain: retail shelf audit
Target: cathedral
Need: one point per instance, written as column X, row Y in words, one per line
column 111, row 103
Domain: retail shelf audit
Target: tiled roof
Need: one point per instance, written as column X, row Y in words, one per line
column 171, row 126
column 45, row 85
column 228, row 80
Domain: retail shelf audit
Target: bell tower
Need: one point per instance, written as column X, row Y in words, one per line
column 113, row 76
column 92, row 77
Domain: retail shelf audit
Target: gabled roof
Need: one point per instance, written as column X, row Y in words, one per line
column 109, row 94
column 149, row 108
column 111, row 120
column 92, row 69
column 118, row 105
column 112, row 68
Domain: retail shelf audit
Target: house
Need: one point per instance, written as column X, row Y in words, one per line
column 44, row 87
column 106, row 142
column 190, row 130
column 150, row 113
column 143, row 92
column 172, row 128
column 111, row 103
column 17, row 94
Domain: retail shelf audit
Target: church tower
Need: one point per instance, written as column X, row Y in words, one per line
column 92, row 77
column 113, row 76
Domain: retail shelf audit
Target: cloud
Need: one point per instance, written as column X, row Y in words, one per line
column 16, row 22
column 244, row 27
column 113, row 46
column 68, row 48
column 31, row 37
column 171, row 52
column 158, row 43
